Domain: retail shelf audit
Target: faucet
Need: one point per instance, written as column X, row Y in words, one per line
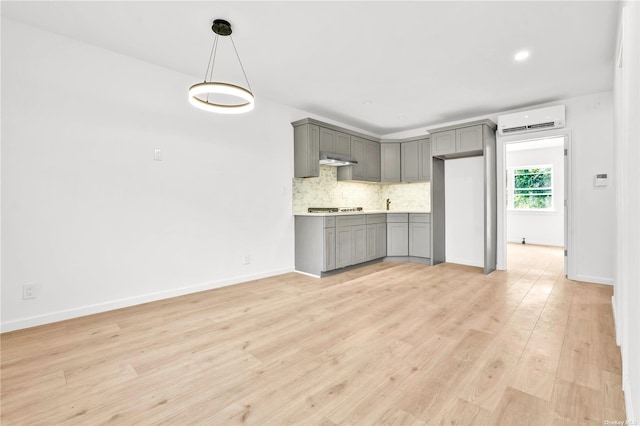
column 388, row 202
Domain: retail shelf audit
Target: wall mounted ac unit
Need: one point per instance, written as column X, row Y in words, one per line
column 532, row 120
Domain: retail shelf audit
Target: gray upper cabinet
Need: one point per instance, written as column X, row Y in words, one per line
column 372, row 161
column 416, row 160
column 334, row 141
column 424, row 155
column 358, row 152
column 464, row 141
column 410, row 161
column 469, row 139
column 367, row 153
column 306, row 150
column 443, row 143
column 390, row 162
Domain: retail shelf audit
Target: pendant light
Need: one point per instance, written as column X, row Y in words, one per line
column 200, row 93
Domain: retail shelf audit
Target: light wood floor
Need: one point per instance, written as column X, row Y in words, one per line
column 384, row 344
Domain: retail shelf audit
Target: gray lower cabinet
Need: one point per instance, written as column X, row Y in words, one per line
column 315, row 250
column 344, row 246
column 326, row 243
column 409, row 234
column 358, row 244
column 329, row 259
column 419, row 235
column 397, row 234
column 351, row 240
column 376, row 236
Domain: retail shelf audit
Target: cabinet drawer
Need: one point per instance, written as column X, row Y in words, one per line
column 354, row 220
column 397, row 218
column 329, row 222
column 376, row 218
column 419, row 218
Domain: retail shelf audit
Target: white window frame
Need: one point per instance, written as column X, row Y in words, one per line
column 509, row 194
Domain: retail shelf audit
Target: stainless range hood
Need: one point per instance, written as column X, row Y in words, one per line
column 333, row 159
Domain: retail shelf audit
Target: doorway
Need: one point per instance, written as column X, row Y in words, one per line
column 534, row 192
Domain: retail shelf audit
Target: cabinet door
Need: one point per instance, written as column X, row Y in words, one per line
column 469, row 138
column 343, row 246
column 389, row 162
column 424, row 154
column 410, row 161
column 381, row 240
column 443, row 143
column 306, row 151
column 359, row 244
column 372, row 161
column 343, row 144
column 372, row 239
column 397, row 239
column 419, row 239
column 327, row 140
column 329, row 249
column 358, row 152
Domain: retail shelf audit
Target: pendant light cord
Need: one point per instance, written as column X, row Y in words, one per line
column 212, row 55
column 238, row 56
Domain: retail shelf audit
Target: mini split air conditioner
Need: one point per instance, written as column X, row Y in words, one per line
column 532, row 120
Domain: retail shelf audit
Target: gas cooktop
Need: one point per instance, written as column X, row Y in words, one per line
column 333, row 209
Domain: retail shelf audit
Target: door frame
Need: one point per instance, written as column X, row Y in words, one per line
column 501, row 142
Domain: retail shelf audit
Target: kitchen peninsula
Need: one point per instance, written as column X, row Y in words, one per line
column 326, row 242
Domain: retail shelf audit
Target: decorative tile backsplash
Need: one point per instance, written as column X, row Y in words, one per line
column 326, row 191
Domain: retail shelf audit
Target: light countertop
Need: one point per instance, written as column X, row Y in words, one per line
column 360, row 212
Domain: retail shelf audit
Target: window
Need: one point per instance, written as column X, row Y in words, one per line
column 530, row 187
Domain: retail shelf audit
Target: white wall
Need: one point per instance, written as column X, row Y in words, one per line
column 539, row 227
column 464, row 218
column 627, row 161
column 92, row 220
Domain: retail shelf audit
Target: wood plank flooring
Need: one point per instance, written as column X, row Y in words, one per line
column 390, row 343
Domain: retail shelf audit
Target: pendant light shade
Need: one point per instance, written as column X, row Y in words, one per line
column 216, row 96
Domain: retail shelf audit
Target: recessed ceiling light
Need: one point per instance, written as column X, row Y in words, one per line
column 367, row 102
column 522, row 55
column 402, row 117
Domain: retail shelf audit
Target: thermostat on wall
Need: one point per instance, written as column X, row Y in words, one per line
column 601, row 180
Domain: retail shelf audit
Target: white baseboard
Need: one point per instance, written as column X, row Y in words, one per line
column 615, row 321
column 306, row 273
column 628, row 400
column 466, row 262
column 81, row 311
column 592, row 279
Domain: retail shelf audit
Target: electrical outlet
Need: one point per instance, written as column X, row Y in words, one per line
column 246, row 260
column 157, row 154
column 29, row 291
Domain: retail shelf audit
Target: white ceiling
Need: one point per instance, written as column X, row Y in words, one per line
column 420, row 63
